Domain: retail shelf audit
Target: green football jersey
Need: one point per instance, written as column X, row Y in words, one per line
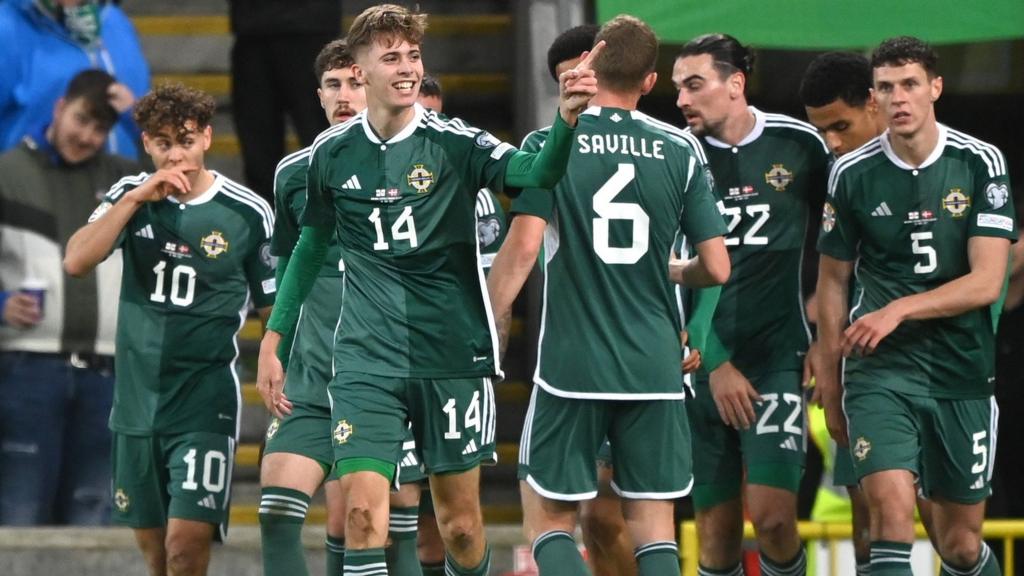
column 907, row 228
column 766, row 184
column 309, row 363
column 414, row 296
column 491, row 226
column 610, row 320
column 189, row 272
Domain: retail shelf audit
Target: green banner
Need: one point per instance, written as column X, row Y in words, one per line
column 825, row 24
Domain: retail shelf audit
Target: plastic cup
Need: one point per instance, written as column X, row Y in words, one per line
column 37, row 289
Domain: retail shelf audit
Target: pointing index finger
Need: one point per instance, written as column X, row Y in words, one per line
column 588, row 61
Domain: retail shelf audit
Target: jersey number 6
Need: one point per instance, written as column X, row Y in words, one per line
column 608, row 211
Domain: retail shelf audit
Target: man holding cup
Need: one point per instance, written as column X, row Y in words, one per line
column 57, row 332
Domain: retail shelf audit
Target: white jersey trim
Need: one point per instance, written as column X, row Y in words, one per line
column 684, row 136
column 932, row 158
column 334, row 131
column 118, row 188
column 405, row 132
column 557, row 495
column 653, row 495
column 293, row 158
column 866, row 151
column 251, row 199
column 990, row 154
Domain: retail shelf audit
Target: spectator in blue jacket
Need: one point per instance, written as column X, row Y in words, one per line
column 45, row 43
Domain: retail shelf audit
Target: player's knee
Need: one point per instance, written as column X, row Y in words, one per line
column 960, row 547
column 774, row 524
column 461, row 532
column 600, row 529
column 359, row 525
column 185, row 557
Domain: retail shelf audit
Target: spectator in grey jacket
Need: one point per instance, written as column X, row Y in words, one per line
column 57, row 340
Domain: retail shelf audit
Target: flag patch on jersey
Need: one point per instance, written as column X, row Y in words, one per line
column 420, row 179
column 214, row 244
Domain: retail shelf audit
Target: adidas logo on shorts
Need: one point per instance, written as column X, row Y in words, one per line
column 208, row 501
column 979, row 484
column 470, row 448
column 410, row 460
column 790, row 444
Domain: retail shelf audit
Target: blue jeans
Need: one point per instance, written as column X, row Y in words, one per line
column 54, row 441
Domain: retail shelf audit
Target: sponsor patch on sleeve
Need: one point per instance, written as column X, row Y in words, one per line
column 995, row 221
column 270, row 286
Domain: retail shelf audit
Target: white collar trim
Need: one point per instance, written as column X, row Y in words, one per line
column 402, row 134
column 936, row 153
column 213, row 190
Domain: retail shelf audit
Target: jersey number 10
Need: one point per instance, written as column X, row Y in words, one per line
column 180, row 275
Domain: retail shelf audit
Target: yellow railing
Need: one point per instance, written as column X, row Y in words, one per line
column 1005, row 530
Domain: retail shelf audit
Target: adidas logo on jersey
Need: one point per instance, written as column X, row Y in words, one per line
column 352, row 184
column 409, row 460
column 470, row 448
column 979, row 484
column 145, row 232
column 790, row 444
column 882, row 210
column 208, row 501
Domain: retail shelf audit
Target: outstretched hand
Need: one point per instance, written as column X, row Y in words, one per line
column 577, row 86
column 270, row 377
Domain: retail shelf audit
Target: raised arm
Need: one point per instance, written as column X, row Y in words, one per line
column 711, row 266
column 92, row 243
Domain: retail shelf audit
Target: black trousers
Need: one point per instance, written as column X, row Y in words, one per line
column 272, row 77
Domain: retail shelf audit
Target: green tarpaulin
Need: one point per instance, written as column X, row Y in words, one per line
column 825, row 24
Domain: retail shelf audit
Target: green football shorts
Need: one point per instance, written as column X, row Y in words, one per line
column 649, row 442
column 771, row 451
column 452, row 420
column 185, row 476
column 306, row 432
column 950, row 444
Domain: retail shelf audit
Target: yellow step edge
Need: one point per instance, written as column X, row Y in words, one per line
column 218, row 24
column 515, row 391
column 252, row 330
column 219, row 84
column 248, row 515
column 248, row 454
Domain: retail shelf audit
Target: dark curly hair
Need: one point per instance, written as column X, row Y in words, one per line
column 570, row 44
column 173, row 105
column 836, row 76
column 903, row 50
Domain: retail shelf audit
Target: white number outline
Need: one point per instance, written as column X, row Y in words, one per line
column 471, row 418
column 208, row 484
column 760, row 211
column 404, row 219
column 176, row 298
column 931, row 258
column 789, row 425
column 608, row 211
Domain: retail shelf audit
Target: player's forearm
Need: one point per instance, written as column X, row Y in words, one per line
column 92, row 243
column 299, row 277
column 711, row 266
column 546, row 167
column 285, row 346
column 978, row 288
column 509, row 272
column 705, row 301
column 833, row 297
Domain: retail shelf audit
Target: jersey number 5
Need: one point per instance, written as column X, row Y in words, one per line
column 608, row 211
column 929, row 264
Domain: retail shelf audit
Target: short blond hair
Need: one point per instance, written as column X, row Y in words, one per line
column 386, row 22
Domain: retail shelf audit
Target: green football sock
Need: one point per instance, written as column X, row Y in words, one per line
column 455, row 569
column 368, row 562
column 433, row 569
column 796, row 566
column 658, row 559
column 557, row 555
column 401, row 554
column 890, row 558
column 987, row 565
column 736, row 570
column 335, row 556
column 282, row 512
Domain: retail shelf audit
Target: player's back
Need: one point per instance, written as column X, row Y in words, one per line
column 611, row 323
